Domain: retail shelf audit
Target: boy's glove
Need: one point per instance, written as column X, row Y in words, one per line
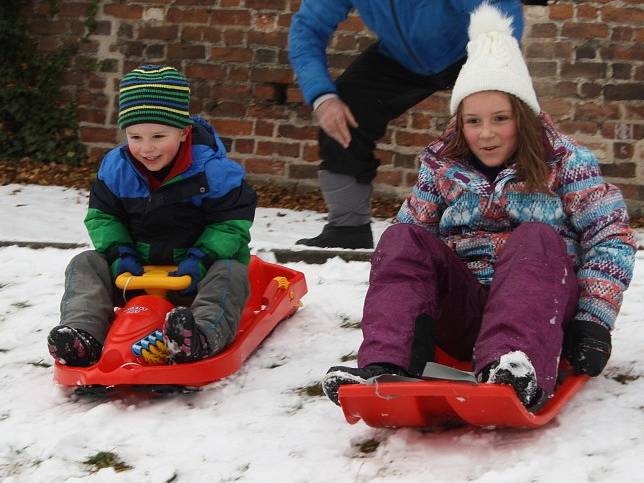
column 587, row 346
column 534, row 2
column 127, row 261
column 194, row 265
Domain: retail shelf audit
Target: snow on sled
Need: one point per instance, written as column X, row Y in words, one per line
column 133, row 355
column 452, row 397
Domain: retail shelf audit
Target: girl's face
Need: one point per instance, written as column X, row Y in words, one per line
column 490, row 127
column 154, row 145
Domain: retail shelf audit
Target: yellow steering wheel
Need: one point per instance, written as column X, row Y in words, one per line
column 155, row 280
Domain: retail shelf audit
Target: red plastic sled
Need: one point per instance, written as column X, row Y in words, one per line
column 430, row 403
column 275, row 293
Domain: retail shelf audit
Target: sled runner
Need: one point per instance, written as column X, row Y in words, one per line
column 133, row 354
column 390, row 401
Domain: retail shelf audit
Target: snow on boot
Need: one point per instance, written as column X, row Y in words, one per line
column 341, row 237
column 336, row 376
column 182, row 337
column 515, row 369
column 73, row 347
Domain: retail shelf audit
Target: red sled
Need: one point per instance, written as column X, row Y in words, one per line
column 436, row 403
column 133, row 351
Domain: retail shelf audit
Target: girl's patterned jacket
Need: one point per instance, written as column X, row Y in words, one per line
column 475, row 218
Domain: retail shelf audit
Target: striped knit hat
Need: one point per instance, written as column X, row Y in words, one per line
column 155, row 94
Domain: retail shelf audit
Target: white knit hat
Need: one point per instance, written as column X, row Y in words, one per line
column 494, row 60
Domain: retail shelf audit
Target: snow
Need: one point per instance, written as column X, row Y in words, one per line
column 259, row 425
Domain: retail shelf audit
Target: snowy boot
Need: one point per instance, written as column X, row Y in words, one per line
column 516, row 370
column 336, row 376
column 73, row 347
column 182, row 337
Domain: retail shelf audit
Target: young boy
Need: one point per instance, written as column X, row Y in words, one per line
column 168, row 196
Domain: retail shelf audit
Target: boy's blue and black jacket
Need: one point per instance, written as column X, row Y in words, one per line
column 208, row 205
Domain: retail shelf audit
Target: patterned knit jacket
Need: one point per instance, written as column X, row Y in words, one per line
column 475, row 217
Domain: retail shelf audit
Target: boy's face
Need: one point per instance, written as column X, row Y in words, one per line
column 154, row 145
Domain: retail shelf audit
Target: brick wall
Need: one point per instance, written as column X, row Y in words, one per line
column 586, row 58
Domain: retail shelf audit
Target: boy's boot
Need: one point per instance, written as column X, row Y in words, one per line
column 73, row 347
column 349, row 218
column 337, row 376
column 182, row 337
column 516, row 370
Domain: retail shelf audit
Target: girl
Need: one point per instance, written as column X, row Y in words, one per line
column 509, row 239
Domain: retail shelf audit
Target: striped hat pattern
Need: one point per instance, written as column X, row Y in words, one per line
column 154, row 94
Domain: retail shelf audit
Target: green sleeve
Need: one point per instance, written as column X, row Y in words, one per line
column 106, row 231
column 228, row 239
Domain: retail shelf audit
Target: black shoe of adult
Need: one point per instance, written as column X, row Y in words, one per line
column 341, row 237
column 337, row 376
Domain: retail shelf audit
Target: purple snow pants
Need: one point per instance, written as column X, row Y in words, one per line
column 533, row 295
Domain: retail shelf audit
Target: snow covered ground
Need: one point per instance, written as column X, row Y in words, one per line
column 261, row 424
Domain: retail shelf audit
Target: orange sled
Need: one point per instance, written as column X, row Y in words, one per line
column 431, row 403
column 133, row 354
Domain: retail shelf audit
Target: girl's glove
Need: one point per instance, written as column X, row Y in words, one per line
column 587, row 345
column 194, row 265
column 127, row 261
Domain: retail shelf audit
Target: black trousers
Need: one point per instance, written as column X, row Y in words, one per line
column 377, row 89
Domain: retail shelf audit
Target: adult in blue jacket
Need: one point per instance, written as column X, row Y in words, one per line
column 420, row 50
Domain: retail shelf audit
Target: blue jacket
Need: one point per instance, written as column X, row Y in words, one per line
column 425, row 36
column 208, row 205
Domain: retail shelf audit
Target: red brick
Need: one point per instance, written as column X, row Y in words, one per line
column 205, row 71
column 416, row 139
column 245, row 146
column 585, row 30
column 622, row 15
column 185, row 15
column 390, row 177
column 297, row 132
column 624, row 151
column 264, row 128
column 182, row 52
column 239, row 17
column 233, row 127
column 265, row 166
column 124, row 11
column 352, row 24
column 231, row 54
column 267, row 148
column 311, row 152
column 98, row 135
column 212, row 35
column 574, row 127
column 266, row 4
column 160, row 32
column 560, row 11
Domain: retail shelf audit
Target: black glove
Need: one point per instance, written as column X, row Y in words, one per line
column 587, row 346
column 534, row 2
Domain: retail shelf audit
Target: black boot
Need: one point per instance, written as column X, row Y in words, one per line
column 73, row 347
column 337, row 376
column 515, row 372
column 341, row 237
column 182, row 337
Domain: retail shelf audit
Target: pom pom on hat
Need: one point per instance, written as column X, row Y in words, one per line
column 154, row 94
column 494, row 61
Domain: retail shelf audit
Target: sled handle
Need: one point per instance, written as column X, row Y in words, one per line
column 155, row 280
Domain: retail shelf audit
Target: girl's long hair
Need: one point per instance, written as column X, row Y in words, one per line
column 530, row 156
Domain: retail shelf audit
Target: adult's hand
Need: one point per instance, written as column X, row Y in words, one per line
column 335, row 117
